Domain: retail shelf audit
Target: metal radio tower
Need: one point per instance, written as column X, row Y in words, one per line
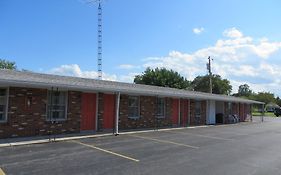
column 99, row 40
column 99, row 27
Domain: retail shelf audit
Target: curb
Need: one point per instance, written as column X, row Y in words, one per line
column 41, row 141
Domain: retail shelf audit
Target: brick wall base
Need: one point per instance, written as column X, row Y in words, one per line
column 24, row 120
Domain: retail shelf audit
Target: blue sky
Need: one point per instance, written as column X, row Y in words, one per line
column 59, row 36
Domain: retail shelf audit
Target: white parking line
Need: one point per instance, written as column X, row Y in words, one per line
column 106, row 151
column 199, row 135
column 165, row 141
column 1, row 172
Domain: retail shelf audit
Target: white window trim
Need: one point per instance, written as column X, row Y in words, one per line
column 66, row 108
column 139, row 105
column 164, row 110
column 7, row 105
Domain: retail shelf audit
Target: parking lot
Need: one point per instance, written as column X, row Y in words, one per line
column 246, row 148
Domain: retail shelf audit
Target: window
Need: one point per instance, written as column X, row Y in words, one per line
column 197, row 108
column 3, row 104
column 56, row 109
column 160, row 107
column 197, row 118
column 229, row 108
column 134, row 103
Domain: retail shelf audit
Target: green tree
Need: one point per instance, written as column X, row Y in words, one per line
column 244, row 91
column 4, row 64
column 278, row 101
column 219, row 85
column 265, row 97
column 162, row 77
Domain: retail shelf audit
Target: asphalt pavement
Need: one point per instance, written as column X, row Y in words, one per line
column 246, row 148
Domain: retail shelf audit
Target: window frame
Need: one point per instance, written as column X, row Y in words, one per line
column 198, row 116
column 51, row 119
column 200, row 105
column 138, row 106
column 6, row 104
column 229, row 108
column 158, row 115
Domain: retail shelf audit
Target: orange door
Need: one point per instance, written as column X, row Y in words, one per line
column 88, row 119
column 109, row 111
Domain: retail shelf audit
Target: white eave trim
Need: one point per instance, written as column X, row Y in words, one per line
column 127, row 91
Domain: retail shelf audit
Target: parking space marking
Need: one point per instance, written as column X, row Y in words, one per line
column 165, row 141
column 199, row 135
column 1, row 172
column 106, row 151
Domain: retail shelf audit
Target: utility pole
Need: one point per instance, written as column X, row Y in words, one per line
column 209, row 68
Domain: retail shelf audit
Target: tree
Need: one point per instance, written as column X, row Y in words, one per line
column 219, row 85
column 278, row 101
column 4, row 64
column 244, row 91
column 162, row 77
column 265, row 97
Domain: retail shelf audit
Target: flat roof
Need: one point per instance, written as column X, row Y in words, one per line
column 39, row 80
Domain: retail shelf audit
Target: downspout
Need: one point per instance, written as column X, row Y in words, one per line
column 239, row 117
column 262, row 119
column 179, row 114
column 251, row 109
column 188, row 112
column 97, row 112
column 49, row 112
column 117, row 114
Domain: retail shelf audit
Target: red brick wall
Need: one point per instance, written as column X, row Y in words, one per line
column 184, row 108
column 175, row 111
column 241, row 112
column 234, row 111
column 147, row 114
column 25, row 121
column 100, row 111
column 31, row 121
column 247, row 111
column 235, row 108
column 202, row 120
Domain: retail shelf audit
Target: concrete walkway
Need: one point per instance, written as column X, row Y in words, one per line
column 58, row 138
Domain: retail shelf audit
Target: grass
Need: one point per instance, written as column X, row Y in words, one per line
column 269, row 114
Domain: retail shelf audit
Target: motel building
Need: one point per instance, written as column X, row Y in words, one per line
column 33, row 104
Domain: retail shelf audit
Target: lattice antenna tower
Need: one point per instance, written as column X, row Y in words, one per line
column 99, row 56
column 99, row 35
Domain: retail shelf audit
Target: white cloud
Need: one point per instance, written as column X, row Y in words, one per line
column 265, row 48
column 233, row 33
column 198, row 31
column 237, row 57
column 128, row 78
column 128, row 66
column 74, row 70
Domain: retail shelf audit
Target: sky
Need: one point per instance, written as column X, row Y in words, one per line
column 60, row 37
